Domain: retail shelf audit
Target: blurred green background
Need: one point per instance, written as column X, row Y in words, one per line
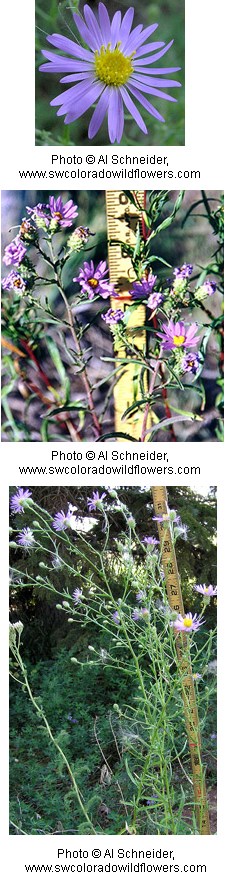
column 57, row 18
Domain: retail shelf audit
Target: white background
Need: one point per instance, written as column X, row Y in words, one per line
column 204, row 149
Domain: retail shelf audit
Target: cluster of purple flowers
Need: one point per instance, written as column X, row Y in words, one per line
column 94, row 281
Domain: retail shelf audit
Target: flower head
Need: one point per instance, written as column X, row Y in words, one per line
column 143, row 288
column 136, row 614
column 208, row 288
column 15, row 281
column 140, row 595
column 116, row 617
column 110, row 72
column 177, row 335
column 26, row 538
column 77, row 595
column 95, row 503
column 112, row 317
column 155, row 300
column 190, row 363
column 187, row 623
column 92, row 280
column 182, row 273
column 20, row 499
column 63, row 520
column 39, row 214
column 148, row 539
column 14, row 253
column 62, row 215
column 206, row 590
column 78, row 239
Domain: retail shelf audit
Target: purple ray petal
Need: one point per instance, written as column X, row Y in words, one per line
column 115, row 29
column 154, row 70
column 149, row 47
column 104, row 22
column 85, row 33
column 126, row 26
column 99, row 113
column 131, row 107
column 70, row 46
column 120, row 119
column 72, row 94
column 84, row 103
column 150, row 90
column 92, row 24
column 131, row 43
column 153, row 81
column 60, row 63
column 145, row 33
column 74, row 78
column 156, row 55
column 146, row 104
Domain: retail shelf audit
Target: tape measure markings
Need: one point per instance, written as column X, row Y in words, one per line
column 122, row 221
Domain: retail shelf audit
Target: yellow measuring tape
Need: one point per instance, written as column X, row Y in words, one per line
column 122, row 223
column 188, row 689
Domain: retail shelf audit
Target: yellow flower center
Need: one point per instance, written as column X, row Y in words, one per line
column 93, row 282
column 112, row 67
column 18, row 283
column 206, row 590
column 188, row 622
column 178, row 340
column 57, row 215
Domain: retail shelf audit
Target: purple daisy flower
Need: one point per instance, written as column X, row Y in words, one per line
column 92, row 280
column 182, row 273
column 136, row 615
column 63, row 215
column 95, row 503
column 14, row 281
column 190, row 363
column 187, row 623
column 112, row 70
column 14, row 252
column 177, row 335
column 116, row 617
column 18, row 500
column 77, row 595
column 26, row 538
column 150, row 540
column 206, row 591
column 143, row 288
column 112, row 317
column 63, row 520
